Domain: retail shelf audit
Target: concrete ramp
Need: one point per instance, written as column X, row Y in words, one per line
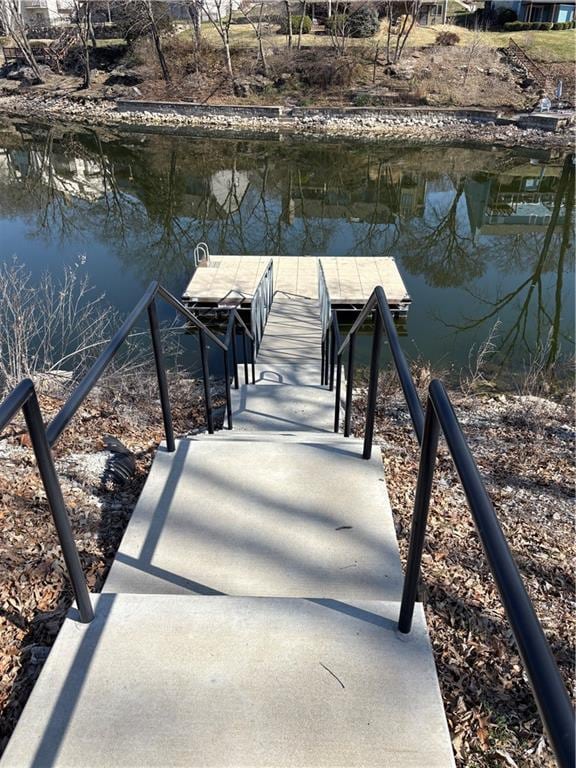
column 159, row 681
column 287, row 395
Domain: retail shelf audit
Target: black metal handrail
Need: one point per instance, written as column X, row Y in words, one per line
column 547, row 684
column 383, row 321
column 234, row 319
column 261, row 304
column 545, row 679
column 23, row 397
column 148, row 302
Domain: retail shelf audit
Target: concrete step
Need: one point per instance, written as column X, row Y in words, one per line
column 160, row 681
column 260, row 517
column 282, row 407
column 285, row 374
column 353, row 444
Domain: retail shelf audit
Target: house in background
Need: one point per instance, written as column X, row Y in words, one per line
column 533, row 10
column 45, row 13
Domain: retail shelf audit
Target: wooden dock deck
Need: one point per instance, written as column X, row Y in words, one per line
column 350, row 280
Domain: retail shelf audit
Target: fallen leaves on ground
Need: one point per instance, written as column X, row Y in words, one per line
column 34, row 587
column 524, row 448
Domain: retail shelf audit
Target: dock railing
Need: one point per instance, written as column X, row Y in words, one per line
column 542, row 671
column 261, row 304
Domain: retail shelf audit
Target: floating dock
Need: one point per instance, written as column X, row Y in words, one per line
column 222, row 281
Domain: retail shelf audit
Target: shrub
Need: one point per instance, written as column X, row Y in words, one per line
column 447, row 38
column 364, row 22
column 306, row 25
column 518, row 26
column 506, row 16
column 330, row 72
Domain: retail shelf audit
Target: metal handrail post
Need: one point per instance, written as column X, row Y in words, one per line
column 161, row 374
column 333, row 342
column 349, row 385
column 338, row 393
column 373, row 386
column 245, row 356
column 426, row 468
column 542, row 671
column 47, row 471
column 207, row 388
column 234, row 355
column 227, row 385
column 328, row 354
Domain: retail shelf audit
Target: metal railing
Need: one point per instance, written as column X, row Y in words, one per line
column 148, row 302
column 543, row 674
column 377, row 304
column 326, row 344
column 43, row 438
column 23, row 397
column 261, row 304
column 528, row 63
column 201, row 253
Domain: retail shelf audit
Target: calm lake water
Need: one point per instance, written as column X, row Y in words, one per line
column 479, row 235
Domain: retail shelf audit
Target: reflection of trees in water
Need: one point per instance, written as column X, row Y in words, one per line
column 530, row 291
column 443, row 249
column 150, row 199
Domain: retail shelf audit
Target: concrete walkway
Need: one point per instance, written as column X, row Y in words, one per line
column 249, row 618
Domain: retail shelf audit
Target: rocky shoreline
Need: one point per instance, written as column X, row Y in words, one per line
column 441, row 128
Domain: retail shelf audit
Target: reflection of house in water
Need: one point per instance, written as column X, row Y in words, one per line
column 519, row 200
column 212, row 197
column 70, row 176
column 375, row 197
column 228, row 189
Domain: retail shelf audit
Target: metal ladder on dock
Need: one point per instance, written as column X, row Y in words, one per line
column 256, row 613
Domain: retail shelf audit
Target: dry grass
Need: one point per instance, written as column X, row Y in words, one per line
column 556, row 45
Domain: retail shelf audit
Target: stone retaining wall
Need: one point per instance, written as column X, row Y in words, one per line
column 393, row 114
column 197, row 110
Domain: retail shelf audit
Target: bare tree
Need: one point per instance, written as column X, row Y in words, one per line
column 397, row 36
column 194, row 8
column 13, row 23
column 82, row 18
column 257, row 27
column 301, row 25
column 151, row 13
column 146, row 17
column 339, row 28
column 220, row 14
column 289, row 22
